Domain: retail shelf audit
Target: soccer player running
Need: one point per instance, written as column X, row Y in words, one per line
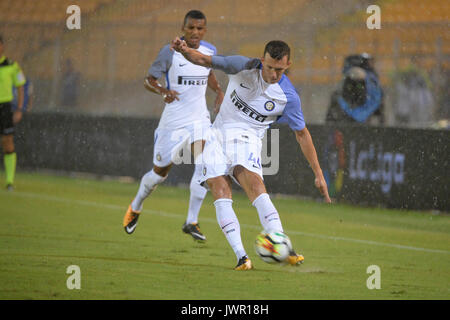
column 258, row 94
column 185, row 119
column 10, row 76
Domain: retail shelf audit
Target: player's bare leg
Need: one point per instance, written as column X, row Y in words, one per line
column 220, row 187
column 254, row 187
column 149, row 182
column 251, row 182
column 226, row 217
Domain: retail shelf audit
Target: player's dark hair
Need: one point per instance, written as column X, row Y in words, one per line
column 194, row 14
column 1, row 39
column 277, row 49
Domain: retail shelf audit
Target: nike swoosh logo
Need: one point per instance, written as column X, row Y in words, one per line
column 242, row 85
column 199, row 236
column 269, row 215
column 131, row 229
column 227, row 225
column 182, row 65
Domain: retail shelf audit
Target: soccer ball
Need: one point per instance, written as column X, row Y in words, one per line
column 273, row 247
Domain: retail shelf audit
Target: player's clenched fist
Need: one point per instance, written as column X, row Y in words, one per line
column 178, row 45
column 170, row 95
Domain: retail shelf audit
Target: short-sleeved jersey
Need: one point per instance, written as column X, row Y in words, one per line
column 189, row 80
column 10, row 75
column 252, row 104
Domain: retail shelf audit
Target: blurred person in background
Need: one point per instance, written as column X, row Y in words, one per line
column 414, row 102
column 360, row 97
column 185, row 119
column 10, row 76
column 70, row 85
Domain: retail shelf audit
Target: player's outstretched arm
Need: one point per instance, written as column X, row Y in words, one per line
column 306, row 144
column 190, row 54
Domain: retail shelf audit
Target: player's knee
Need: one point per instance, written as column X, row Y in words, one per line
column 197, row 189
column 8, row 145
column 8, row 149
column 162, row 171
column 219, row 188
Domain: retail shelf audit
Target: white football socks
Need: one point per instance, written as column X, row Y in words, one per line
column 229, row 224
column 149, row 182
column 268, row 214
column 198, row 193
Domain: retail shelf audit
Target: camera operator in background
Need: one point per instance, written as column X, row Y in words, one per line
column 360, row 98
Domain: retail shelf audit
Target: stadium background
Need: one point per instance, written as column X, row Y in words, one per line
column 118, row 40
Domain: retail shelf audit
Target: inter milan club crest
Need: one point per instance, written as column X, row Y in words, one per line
column 158, row 157
column 269, row 105
column 204, row 171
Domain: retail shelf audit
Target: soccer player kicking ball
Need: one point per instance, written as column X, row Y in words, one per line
column 258, row 94
column 185, row 119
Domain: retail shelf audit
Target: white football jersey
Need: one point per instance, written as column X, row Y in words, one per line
column 252, row 104
column 189, row 80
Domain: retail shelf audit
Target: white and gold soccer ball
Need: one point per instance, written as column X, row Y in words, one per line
column 273, row 247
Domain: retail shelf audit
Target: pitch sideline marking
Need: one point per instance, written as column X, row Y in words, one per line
column 175, row 215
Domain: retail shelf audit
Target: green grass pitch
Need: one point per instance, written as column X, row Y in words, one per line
column 51, row 222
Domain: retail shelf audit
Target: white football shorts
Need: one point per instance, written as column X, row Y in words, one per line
column 173, row 145
column 225, row 150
